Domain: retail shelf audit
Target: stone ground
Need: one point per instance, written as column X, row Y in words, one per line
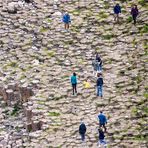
column 37, row 51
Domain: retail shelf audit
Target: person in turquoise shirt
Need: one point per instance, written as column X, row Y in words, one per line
column 74, row 83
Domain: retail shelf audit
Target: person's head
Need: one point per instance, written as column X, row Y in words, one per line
column 74, row 74
column 134, row 6
column 117, row 4
column 101, row 112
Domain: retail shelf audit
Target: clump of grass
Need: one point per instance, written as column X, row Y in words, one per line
column 13, row 64
column 145, row 95
column 102, row 14
column 129, row 19
column 108, row 36
column 43, row 29
column 15, row 110
column 142, row 2
column 50, row 53
column 144, row 29
column 53, row 114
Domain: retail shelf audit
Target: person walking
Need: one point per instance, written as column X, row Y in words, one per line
column 101, row 141
column 134, row 13
column 82, row 131
column 102, row 120
column 66, row 20
column 74, row 83
column 100, row 85
column 98, row 59
column 117, row 10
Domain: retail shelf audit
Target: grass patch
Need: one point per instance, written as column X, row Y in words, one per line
column 13, row 64
column 142, row 2
column 50, row 53
column 144, row 29
column 102, row 14
column 43, row 29
column 108, row 36
column 129, row 19
column 15, row 110
column 145, row 95
column 53, row 114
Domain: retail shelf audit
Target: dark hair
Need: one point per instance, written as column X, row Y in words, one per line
column 101, row 111
column 74, row 74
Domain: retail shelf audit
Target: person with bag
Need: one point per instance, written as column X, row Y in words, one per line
column 102, row 120
column 66, row 20
column 117, row 10
column 74, row 83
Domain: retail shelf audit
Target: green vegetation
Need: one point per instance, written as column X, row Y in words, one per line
column 145, row 95
column 108, row 36
column 102, row 14
column 50, row 53
column 43, row 29
column 15, row 110
column 53, row 114
column 144, row 29
column 142, row 2
column 13, row 64
column 129, row 19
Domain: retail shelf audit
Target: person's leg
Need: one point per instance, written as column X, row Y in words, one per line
column 83, row 137
column 134, row 19
column 97, row 90
column 73, row 88
column 104, row 127
column 101, row 91
column 67, row 25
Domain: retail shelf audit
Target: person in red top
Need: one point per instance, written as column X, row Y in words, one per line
column 134, row 13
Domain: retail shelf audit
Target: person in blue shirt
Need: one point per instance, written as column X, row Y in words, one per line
column 117, row 10
column 66, row 20
column 74, row 83
column 100, row 85
column 102, row 120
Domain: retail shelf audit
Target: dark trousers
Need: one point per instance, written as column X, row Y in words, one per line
column 134, row 18
column 82, row 137
column 74, row 88
column 103, row 126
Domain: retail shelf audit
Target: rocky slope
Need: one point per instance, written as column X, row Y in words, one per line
column 36, row 52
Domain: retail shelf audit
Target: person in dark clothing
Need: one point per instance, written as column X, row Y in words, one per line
column 101, row 138
column 82, row 131
column 102, row 120
column 134, row 13
column 117, row 10
column 74, row 83
column 100, row 85
column 98, row 59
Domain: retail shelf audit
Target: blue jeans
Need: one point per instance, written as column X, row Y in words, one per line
column 99, row 68
column 82, row 137
column 99, row 91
